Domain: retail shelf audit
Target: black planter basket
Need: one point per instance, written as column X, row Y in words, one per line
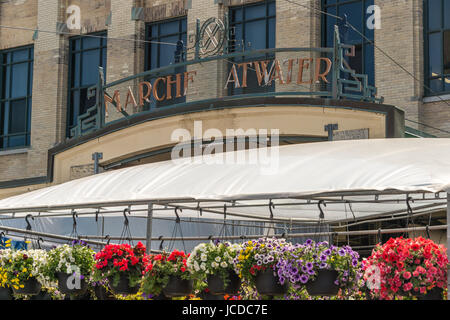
column 102, row 294
column 31, row 287
column 123, row 287
column 5, row 293
column 210, row 296
column 433, row 294
column 63, row 288
column 41, row 296
column 267, row 284
column 324, row 284
column 177, row 287
column 216, row 285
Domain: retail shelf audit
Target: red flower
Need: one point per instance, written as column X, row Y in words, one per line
column 407, row 275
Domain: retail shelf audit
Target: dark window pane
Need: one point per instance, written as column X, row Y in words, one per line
column 356, row 62
column 255, row 35
column 272, row 9
column 353, row 11
column 85, row 103
column 369, row 62
column 447, row 52
column 447, row 14
column 74, row 102
column 91, row 42
column 271, row 34
column 167, row 52
column 169, row 28
column 436, row 85
column 20, row 55
column 76, row 70
column 435, row 54
column 19, row 80
column 255, row 12
column 89, row 70
column 5, row 81
column 18, row 116
column 434, row 14
column 330, row 23
column 236, row 15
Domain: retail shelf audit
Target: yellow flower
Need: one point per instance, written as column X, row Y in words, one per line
column 24, row 270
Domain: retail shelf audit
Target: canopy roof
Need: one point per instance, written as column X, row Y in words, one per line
column 293, row 177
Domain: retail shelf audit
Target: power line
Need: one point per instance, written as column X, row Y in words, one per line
column 86, row 35
column 382, row 51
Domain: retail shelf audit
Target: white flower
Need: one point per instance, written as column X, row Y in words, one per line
column 203, row 266
column 215, row 265
column 203, row 257
column 218, row 259
column 223, row 264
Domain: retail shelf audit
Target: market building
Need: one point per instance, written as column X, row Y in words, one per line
column 231, row 64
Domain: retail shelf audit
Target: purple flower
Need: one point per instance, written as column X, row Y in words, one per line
column 304, row 279
column 309, row 265
column 323, row 258
column 323, row 265
column 308, row 242
column 341, row 252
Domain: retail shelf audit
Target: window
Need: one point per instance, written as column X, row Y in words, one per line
column 437, row 46
column 356, row 10
column 87, row 53
column 252, row 28
column 160, row 52
column 16, row 83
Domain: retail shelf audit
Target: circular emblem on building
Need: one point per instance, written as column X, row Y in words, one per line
column 212, row 36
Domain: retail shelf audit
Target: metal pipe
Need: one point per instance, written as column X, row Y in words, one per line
column 448, row 243
column 149, row 227
column 291, row 235
column 126, row 203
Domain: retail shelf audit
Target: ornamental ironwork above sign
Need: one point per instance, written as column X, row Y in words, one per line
column 323, row 73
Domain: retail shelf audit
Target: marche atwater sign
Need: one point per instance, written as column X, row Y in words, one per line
column 300, row 71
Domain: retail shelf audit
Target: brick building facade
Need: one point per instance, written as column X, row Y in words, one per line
column 298, row 23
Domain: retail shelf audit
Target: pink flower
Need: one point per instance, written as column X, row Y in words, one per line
column 407, row 275
column 407, row 286
column 416, row 273
column 423, row 290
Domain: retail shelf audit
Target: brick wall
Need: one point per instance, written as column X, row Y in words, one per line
column 401, row 37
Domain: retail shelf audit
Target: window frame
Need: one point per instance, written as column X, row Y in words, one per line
column 72, row 52
column 6, row 102
column 233, row 48
column 427, row 77
column 182, row 35
column 363, row 42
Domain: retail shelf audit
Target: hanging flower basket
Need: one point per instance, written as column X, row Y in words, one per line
column 5, row 293
column 217, row 286
column 122, row 265
column 63, row 283
column 269, row 285
column 407, row 267
column 168, row 274
column 123, row 287
column 30, row 287
column 324, row 284
column 177, row 287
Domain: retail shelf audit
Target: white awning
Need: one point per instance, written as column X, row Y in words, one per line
column 289, row 176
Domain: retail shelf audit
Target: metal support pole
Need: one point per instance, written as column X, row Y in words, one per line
column 448, row 244
column 149, row 227
column 330, row 128
column 96, row 157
